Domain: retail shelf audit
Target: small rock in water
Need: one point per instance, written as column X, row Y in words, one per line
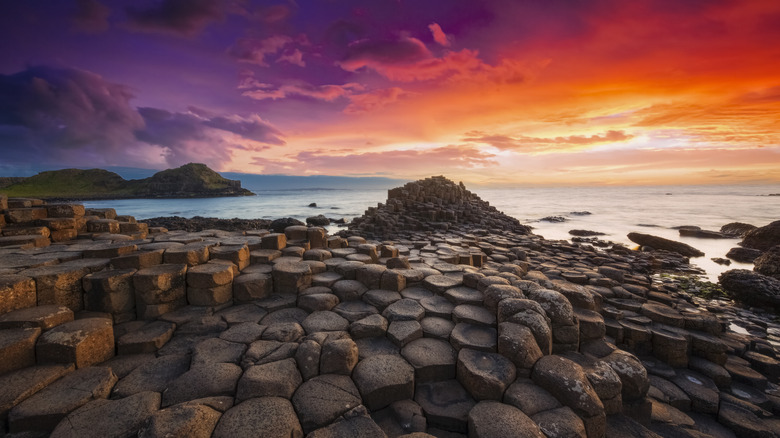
column 313, row 205
column 585, row 233
column 553, row 219
column 317, row 220
column 580, row 213
column 721, row 261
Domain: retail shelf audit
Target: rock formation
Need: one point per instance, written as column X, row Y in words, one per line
column 477, row 328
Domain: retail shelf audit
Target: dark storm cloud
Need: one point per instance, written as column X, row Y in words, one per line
column 184, row 17
column 70, row 116
column 58, row 112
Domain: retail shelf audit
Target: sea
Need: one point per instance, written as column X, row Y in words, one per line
column 615, row 211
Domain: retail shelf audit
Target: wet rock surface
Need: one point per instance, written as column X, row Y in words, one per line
column 458, row 322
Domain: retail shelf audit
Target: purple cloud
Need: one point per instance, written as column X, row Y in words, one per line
column 91, row 16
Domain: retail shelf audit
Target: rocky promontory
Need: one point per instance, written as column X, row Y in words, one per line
column 189, row 181
column 477, row 329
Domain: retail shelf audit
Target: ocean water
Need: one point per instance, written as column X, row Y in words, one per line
column 615, row 211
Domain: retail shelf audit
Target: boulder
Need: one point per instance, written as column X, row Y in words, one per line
column 737, row 229
column 322, row 399
column 763, row 238
column 484, row 375
column 494, row 419
column 768, row 263
column 743, row 255
column 383, row 379
column 751, row 287
column 660, row 243
column 279, row 225
column 263, row 416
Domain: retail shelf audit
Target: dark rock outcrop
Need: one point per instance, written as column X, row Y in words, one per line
column 278, row 225
column 743, row 255
column 656, row 242
column 769, row 263
column 751, row 287
column 432, row 204
column 737, row 229
column 763, row 238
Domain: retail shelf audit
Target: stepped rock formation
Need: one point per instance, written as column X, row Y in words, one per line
column 433, row 204
column 474, row 331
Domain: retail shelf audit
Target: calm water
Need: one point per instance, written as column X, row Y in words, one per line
column 615, row 211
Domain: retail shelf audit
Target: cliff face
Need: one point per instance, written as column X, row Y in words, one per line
column 188, row 181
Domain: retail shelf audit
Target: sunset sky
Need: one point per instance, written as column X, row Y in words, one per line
column 497, row 92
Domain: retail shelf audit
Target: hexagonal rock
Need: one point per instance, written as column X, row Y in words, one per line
column 190, row 254
column 492, row 419
column 353, row 425
column 701, row 390
column 207, row 380
column 264, row 416
column 432, row 359
column 181, row 421
column 440, row 283
column 123, row 417
column 322, row 321
column 438, row 328
column 529, row 398
column 291, row 277
column 568, row 383
column 370, row 326
column 404, row 310
column 238, row 254
column 471, row 314
column 150, row 282
column 324, row 398
column 663, row 314
column 338, row 356
column 20, row 385
column 633, row 374
column 250, row 287
column 497, row 292
column 464, row 295
column 370, row 275
column 148, row 339
column 591, row 324
column 58, row 284
column 84, row 342
column 383, row 379
column 275, row 379
column 403, row 332
column 446, row 405
column 518, row 344
column 17, row 348
column 16, row 292
column 215, row 350
column 42, row 411
column 154, row 375
column 484, row 375
column 209, row 275
column 560, row 422
column 472, row 336
column 65, row 210
column 110, row 291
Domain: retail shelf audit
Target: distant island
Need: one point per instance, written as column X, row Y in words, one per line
column 192, row 180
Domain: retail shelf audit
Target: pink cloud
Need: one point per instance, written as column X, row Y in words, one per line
column 322, row 92
column 295, row 57
column 411, row 161
column 375, row 99
column 527, row 143
column 438, row 35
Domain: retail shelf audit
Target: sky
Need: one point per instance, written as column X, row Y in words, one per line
column 493, row 92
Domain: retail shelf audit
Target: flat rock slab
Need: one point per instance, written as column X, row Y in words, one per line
column 404, row 310
column 265, row 416
column 324, row 398
column 215, row 350
column 45, row 317
column 17, row 348
column 383, row 379
column 472, row 336
column 432, row 359
column 154, row 375
column 446, row 405
column 207, row 380
column 275, row 379
column 19, row 385
column 493, row 419
column 440, row 283
column 181, row 421
column 83, row 342
column 324, row 321
column 44, row 410
column 123, row 417
column 148, row 339
column 16, row 292
column 351, row 427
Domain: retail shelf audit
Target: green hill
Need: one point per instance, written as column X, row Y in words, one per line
column 188, row 181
